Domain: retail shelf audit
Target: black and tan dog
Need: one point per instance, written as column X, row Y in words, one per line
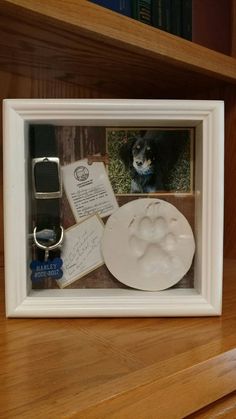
column 150, row 157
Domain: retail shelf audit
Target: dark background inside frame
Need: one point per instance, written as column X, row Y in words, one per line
column 75, row 143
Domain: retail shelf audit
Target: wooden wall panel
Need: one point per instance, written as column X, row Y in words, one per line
column 217, row 13
column 228, row 95
column 230, row 173
column 233, row 28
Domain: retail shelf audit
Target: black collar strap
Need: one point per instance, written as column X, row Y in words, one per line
column 47, row 191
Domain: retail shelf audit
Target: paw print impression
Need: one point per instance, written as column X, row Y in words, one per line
column 153, row 239
column 148, row 244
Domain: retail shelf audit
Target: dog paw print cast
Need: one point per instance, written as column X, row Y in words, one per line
column 148, row 244
column 153, row 240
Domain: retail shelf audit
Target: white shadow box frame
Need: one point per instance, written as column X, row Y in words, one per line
column 205, row 299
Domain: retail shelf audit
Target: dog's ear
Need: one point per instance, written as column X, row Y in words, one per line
column 142, row 133
column 125, row 152
column 170, row 144
column 155, row 140
column 174, row 144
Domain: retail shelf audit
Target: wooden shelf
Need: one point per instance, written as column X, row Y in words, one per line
column 118, row 368
column 83, row 44
column 113, row 368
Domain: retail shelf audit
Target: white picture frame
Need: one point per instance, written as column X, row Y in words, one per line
column 205, row 299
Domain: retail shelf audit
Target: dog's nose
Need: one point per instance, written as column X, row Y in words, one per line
column 139, row 162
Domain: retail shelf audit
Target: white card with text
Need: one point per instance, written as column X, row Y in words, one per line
column 81, row 252
column 88, row 189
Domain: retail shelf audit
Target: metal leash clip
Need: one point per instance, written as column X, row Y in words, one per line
column 45, row 247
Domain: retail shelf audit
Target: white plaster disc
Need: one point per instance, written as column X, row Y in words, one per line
column 148, row 244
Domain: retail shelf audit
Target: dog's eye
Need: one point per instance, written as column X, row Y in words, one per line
column 138, row 147
column 148, row 148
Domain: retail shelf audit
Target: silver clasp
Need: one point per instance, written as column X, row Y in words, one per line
column 50, row 247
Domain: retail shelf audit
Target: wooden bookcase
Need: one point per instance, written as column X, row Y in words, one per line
column 76, row 49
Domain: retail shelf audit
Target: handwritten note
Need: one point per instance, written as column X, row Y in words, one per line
column 88, row 189
column 81, row 250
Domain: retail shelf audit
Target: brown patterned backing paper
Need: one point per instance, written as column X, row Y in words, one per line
column 75, row 143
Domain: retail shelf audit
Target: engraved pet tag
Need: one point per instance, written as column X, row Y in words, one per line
column 46, row 269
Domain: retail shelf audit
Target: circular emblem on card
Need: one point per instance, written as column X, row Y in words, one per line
column 81, row 173
column 152, row 244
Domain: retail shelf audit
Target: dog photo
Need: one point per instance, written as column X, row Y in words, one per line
column 149, row 161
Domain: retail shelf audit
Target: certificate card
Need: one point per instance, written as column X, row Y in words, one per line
column 81, row 250
column 88, row 189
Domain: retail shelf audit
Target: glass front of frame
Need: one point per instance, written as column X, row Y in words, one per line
column 105, row 170
column 121, row 213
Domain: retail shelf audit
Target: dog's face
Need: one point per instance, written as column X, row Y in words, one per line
column 144, row 156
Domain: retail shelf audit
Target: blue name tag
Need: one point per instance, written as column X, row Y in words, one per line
column 43, row 270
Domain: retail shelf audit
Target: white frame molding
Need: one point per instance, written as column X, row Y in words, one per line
column 206, row 298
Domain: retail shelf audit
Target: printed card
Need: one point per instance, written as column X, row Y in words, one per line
column 88, row 189
column 81, row 250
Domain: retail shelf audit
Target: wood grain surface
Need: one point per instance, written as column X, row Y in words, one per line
column 84, row 44
column 233, row 28
column 113, row 368
column 218, row 14
column 224, row 408
column 89, row 368
column 230, row 172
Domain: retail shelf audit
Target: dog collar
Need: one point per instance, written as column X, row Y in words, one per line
column 47, row 191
